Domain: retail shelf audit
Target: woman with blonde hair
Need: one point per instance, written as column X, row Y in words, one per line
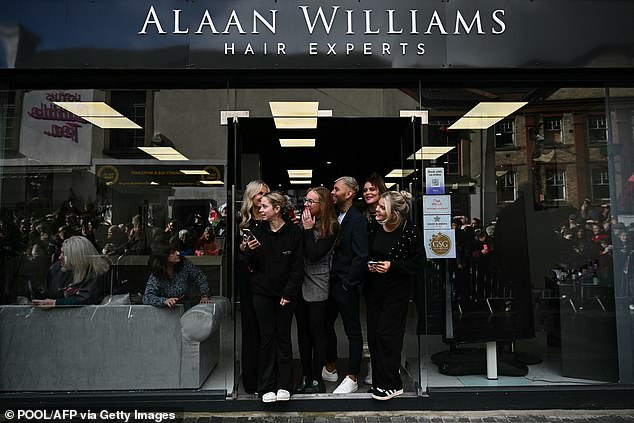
column 250, row 213
column 276, row 259
column 320, row 232
column 85, row 275
column 396, row 255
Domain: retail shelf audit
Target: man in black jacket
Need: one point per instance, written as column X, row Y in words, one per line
column 347, row 273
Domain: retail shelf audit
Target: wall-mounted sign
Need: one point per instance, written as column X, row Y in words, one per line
column 52, row 135
column 434, row 180
column 440, row 244
column 436, row 204
column 160, row 175
column 436, row 221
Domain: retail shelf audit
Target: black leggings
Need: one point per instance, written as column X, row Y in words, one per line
column 311, row 336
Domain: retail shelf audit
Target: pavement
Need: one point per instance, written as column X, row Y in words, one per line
column 499, row 416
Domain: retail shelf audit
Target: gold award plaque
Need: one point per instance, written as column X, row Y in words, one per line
column 440, row 244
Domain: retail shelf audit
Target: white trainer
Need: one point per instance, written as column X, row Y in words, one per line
column 283, row 395
column 347, row 386
column 329, row 376
column 269, row 397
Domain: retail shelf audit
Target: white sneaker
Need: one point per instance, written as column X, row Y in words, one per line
column 269, row 397
column 368, row 378
column 283, row 395
column 329, row 376
column 347, row 386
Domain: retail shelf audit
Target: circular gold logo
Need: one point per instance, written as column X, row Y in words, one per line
column 108, row 174
column 214, row 174
column 440, row 244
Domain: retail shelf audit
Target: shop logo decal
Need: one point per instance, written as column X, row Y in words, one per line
column 440, row 244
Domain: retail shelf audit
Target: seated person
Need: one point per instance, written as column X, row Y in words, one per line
column 79, row 277
column 170, row 277
column 206, row 244
column 185, row 244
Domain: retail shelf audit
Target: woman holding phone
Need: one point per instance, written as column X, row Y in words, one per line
column 170, row 278
column 275, row 256
column 396, row 254
column 250, row 213
column 320, row 232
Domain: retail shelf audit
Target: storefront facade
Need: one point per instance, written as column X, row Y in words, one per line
column 550, row 182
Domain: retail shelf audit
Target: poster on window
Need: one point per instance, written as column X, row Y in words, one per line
column 440, row 244
column 51, row 135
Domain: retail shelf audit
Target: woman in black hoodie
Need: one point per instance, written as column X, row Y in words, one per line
column 276, row 260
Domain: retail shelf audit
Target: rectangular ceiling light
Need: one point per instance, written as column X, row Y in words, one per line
column 194, row 172
column 400, row 173
column 389, row 185
column 297, row 142
column 430, row 153
column 120, row 122
column 300, row 173
column 298, row 182
column 294, row 108
column 163, row 153
column 487, row 114
column 88, row 108
column 98, row 113
column 295, row 122
column 212, row 182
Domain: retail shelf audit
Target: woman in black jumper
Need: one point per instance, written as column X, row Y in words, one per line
column 396, row 254
column 275, row 256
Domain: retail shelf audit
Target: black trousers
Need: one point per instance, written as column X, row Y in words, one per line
column 276, row 351
column 345, row 303
column 311, row 336
column 387, row 304
column 250, row 333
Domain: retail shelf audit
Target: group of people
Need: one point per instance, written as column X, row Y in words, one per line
column 316, row 270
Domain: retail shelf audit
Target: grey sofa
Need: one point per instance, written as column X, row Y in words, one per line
column 109, row 347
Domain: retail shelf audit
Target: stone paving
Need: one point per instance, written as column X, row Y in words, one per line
column 532, row 416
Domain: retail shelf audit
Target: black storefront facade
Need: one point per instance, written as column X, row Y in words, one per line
column 389, row 79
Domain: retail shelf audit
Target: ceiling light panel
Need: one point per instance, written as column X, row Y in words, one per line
column 400, row 173
column 297, row 142
column 297, row 182
column 300, row 173
column 159, row 150
column 495, row 109
column 212, row 182
column 389, row 185
column 112, row 122
column 170, row 157
column 294, row 108
column 430, row 153
column 475, row 123
column 88, row 108
column 295, row 122
column 194, row 172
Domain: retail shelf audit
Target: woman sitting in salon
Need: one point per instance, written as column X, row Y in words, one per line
column 396, row 254
column 79, row 277
column 170, row 278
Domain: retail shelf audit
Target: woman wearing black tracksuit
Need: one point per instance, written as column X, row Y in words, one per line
column 276, row 260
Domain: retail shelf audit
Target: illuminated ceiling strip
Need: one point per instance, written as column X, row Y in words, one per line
column 294, row 108
column 163, row 153
column 212, row 182
column 400, row 173
column 112, row 122
column 475, row 123
column 194, row 172
column 430, row 153
column 88, row 108
column 297, row 182
column 486, row 114
column 295, row 122
column 297, row 142
column 300, row 173
column 389, row 185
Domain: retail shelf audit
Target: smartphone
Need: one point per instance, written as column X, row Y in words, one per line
column 248, row 235
column 372, row 263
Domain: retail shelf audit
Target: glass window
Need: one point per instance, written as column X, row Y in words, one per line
column 555, row 185
column 600, row 184
column 7, row 119
column 131, row 104
column 507, row 191
column 552, row 129
column 505, row 134
column 597, row 129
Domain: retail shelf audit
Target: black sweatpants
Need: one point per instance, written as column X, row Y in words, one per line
column 250, row 333
column 276, row 351
column 387, row 304
column 311, row 336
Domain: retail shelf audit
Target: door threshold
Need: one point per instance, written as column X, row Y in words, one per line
column 325, row 396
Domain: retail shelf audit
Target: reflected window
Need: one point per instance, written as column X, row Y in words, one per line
column 555, row 185
column 506, row 188
column 600, row 184
column 505, row 134
column 552, row 129
column 133, row 105
column 597, row 129
column 7, row 120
